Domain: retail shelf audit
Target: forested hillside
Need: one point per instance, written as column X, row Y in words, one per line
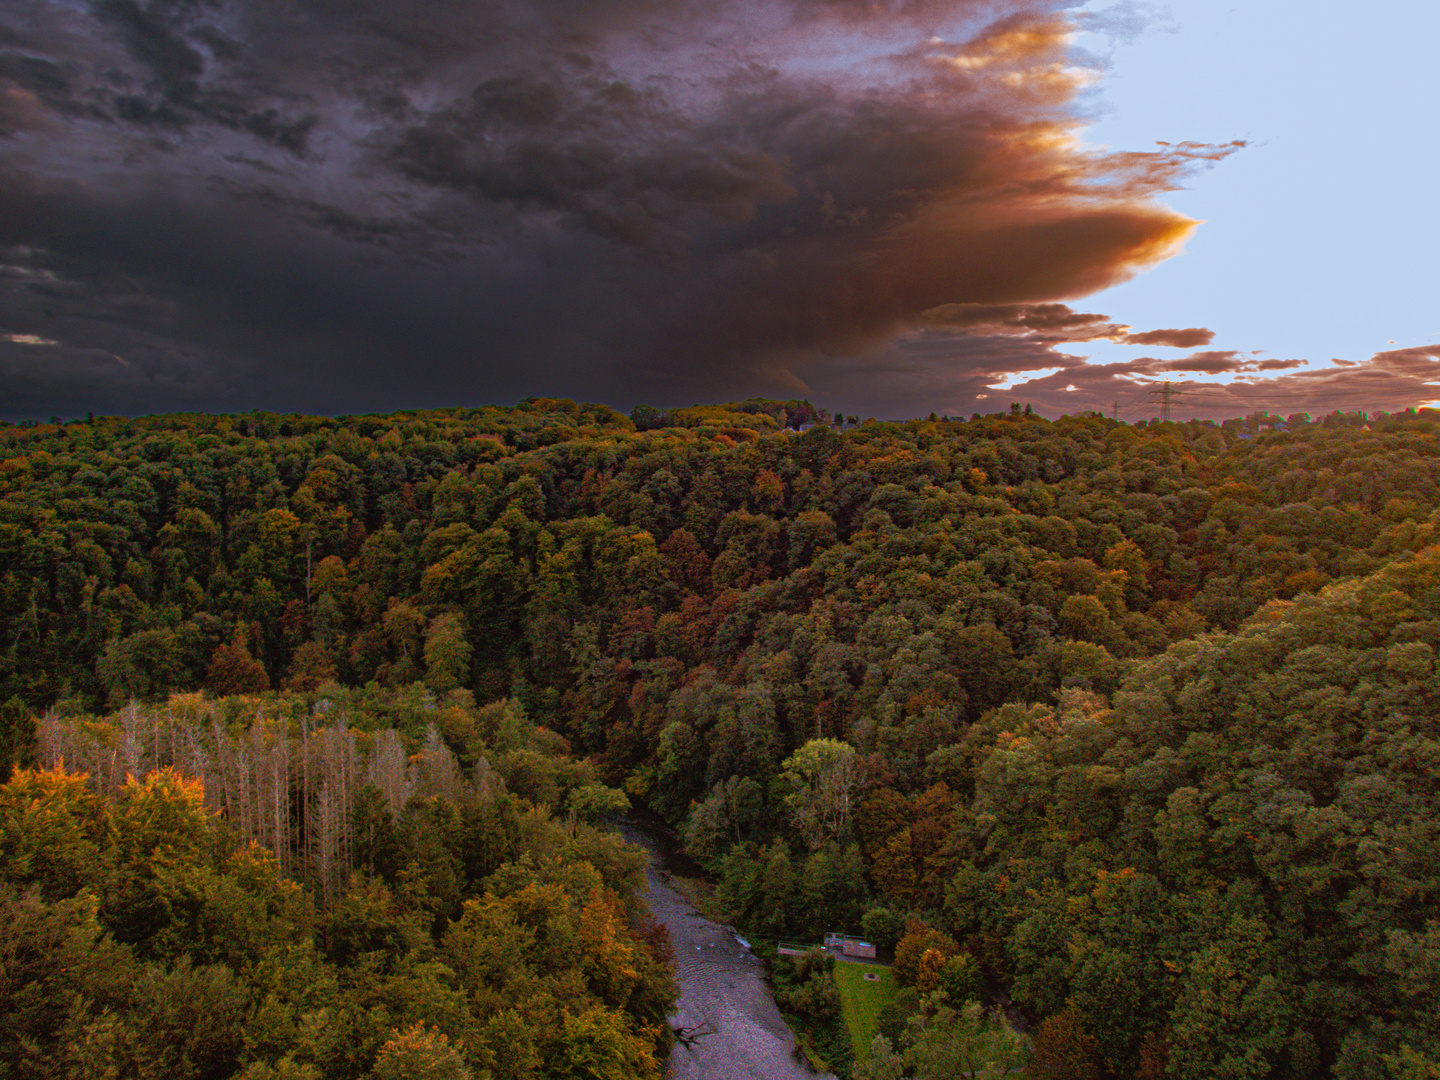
column 1138, row 719
column 250, row 888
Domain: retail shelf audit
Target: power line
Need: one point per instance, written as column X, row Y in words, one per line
column 1166, row 394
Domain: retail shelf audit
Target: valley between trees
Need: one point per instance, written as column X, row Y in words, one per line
column 1133, row 725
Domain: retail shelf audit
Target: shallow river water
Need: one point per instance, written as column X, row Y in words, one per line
column 724, row 999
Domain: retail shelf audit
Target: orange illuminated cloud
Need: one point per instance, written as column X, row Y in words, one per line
column 1176, row 339
column 956, row 192
column 1055, row 323
column 1391, row 381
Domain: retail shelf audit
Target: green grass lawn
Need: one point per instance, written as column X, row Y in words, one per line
column 861, row 1000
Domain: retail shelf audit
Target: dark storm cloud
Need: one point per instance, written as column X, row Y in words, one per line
column 1037, row 322
column 302, row 205
column 585, row 143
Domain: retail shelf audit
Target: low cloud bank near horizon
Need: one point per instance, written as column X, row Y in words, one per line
column 282, row 205
column 958, row 375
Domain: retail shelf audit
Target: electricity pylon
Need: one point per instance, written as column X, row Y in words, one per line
column 1166, row 395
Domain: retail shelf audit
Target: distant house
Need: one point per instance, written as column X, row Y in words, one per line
column 849, row 946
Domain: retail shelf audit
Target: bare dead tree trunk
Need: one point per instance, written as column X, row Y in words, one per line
column 280, row 772
column 388, row 771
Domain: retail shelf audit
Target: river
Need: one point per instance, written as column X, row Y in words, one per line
column 724, row 999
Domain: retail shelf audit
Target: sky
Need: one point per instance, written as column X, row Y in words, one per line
column 890, row 207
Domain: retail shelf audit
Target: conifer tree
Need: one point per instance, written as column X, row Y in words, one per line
column 233, row 670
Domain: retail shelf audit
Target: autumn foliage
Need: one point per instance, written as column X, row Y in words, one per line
column 1138, row 717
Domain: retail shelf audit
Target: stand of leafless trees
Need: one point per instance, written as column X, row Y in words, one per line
column 289, row 785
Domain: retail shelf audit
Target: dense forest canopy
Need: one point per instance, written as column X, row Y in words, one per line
column 1138, row 719
column 281, row 898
